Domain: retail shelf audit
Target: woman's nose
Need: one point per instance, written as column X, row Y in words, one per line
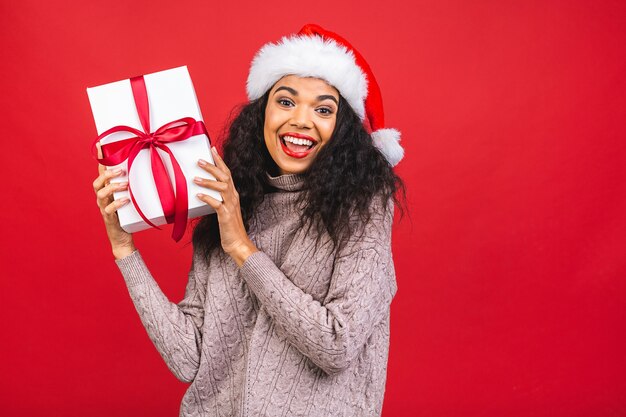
column 300, row 118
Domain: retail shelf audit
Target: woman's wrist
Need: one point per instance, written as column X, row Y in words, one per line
column 120, row 252
column 242, row 252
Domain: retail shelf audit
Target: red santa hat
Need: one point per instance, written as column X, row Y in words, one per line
column 316, row 52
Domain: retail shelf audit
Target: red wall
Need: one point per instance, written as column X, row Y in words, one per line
column 511, row 268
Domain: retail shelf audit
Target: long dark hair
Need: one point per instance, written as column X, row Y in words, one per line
column 347, row 173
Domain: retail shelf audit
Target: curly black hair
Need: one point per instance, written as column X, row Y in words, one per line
column 343, row 179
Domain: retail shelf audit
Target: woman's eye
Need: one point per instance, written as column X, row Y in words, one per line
column 284, row 102
column 325, row 110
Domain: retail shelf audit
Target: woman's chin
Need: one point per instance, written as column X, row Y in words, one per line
column 289, row 165
column 287, row 169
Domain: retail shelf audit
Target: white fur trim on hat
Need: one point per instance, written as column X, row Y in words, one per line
column 309, row 56
column 387, row 140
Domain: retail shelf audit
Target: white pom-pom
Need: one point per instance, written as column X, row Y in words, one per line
column 387, row 140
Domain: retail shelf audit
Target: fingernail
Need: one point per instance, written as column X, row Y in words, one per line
column 124, row 201
column 118, row 170
column 122, row 184
column 199, row 195
column 197, row 179
column 202, row 162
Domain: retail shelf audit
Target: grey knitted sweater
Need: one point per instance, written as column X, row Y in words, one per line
column 292, row 332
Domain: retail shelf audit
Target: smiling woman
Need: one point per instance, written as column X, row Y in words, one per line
column 286, row 310
column 300, row 118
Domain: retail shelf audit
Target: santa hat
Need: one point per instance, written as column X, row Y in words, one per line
column 316, row 52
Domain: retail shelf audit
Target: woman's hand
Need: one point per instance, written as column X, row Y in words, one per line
column 234, row 238
column 121, row 242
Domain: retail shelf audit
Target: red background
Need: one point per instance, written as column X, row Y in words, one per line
column 511, row 268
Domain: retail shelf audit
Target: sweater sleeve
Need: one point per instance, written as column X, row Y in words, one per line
column 363, row 284
column 175, row 329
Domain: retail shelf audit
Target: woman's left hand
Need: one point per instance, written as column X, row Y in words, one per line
column 234, row 238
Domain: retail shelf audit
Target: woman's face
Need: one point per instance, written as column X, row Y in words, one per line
column 301, row 110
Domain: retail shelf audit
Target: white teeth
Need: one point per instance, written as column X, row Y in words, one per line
column 298, row 141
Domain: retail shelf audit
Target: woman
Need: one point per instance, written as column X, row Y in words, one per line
column 286, row 311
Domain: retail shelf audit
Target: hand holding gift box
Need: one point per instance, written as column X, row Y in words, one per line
column 160, row 164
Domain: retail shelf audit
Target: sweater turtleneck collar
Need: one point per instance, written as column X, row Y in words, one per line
column 287, row 182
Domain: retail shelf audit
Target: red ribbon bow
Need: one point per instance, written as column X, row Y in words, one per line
column 174, row 204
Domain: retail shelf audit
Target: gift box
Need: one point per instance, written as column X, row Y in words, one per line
column 152, row 128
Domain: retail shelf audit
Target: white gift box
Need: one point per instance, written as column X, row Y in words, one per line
column 171, row 96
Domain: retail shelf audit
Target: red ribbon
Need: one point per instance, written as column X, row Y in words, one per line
column 174, row 205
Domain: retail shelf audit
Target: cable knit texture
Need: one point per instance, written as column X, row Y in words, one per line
column 292, row 332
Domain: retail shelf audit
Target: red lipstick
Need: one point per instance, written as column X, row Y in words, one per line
column 299, row 136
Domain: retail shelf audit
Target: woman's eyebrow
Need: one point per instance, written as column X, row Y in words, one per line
column 291, row 90
column 327, row 97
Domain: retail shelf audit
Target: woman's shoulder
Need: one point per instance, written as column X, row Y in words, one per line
column 372, row 229
column 380, row 211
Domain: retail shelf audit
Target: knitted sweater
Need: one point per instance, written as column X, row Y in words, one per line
column 292, row 332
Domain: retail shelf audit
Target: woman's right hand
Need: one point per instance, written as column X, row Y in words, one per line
column 121, row 242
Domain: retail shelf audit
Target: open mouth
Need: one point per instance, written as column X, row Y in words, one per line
column 297, row 145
